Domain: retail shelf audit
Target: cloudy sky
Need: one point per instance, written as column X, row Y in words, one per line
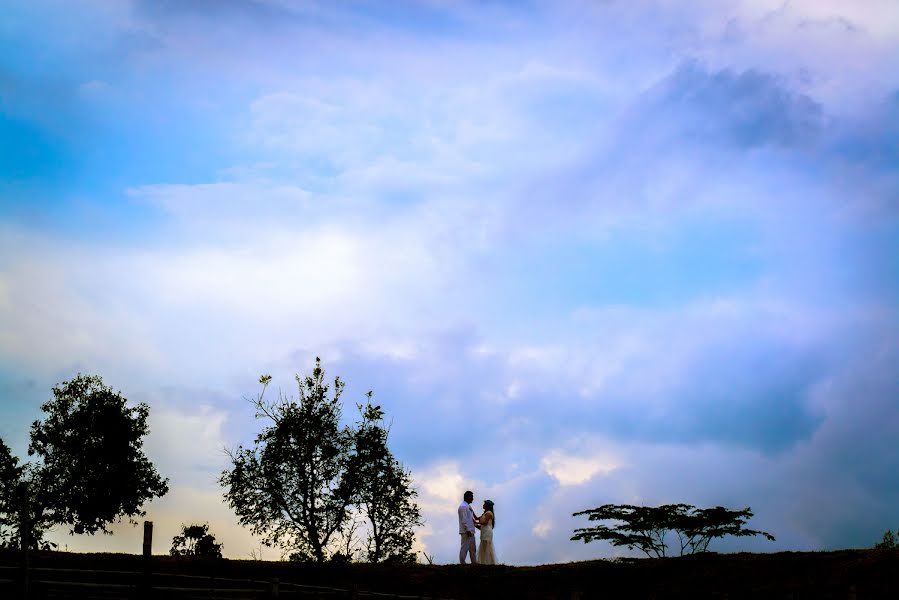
column 582, row 252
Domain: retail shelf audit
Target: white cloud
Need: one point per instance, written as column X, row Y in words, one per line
column 399, row 195
column 188, row 444
column 573, row 469
column 440, row 487
column 542, row 528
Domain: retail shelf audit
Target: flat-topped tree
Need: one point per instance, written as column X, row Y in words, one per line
column 646, row 527
column 92, row 470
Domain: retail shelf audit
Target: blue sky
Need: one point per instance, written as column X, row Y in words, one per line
column 582, row 252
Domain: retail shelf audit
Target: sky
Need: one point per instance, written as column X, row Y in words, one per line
column 636, row 252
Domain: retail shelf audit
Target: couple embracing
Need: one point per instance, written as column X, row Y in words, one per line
column 468, row 524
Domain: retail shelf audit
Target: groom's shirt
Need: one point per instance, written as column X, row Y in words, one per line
column 466, row 518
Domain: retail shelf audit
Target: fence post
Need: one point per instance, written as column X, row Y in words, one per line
column 148, row 538
column 146, row 566
column 273, row 589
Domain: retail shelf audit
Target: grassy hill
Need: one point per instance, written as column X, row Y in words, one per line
column 849, row 574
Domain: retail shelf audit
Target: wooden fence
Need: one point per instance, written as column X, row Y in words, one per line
column 135, row 585
column 28, row 582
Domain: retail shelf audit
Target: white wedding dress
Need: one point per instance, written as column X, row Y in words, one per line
column 486, row 552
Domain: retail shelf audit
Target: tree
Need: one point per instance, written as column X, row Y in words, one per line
column 888, row 542
column 195, row 540
column 697, row 527
column 646, row 527
column 383, row 490
column 10, row 477
column 308, row 483
column 92, row 470
column 291, row 486
column 18, row 505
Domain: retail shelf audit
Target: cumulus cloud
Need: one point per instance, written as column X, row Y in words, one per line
column 581, row 252
column 570, row 469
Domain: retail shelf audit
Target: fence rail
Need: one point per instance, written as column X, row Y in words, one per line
column 47, row 582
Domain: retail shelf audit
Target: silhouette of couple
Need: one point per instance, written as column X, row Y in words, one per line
column 468, row 524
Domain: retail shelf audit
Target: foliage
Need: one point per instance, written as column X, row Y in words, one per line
column 308, row 484
column 888, row 542
column 290, row 486
column 10, row 478
column 646, row 527
column 195, row 540
column 93, row 470
column 21, row 506
column 383, row 490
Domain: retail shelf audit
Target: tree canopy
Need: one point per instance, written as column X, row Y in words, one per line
column 289, row 487
column 10, row 476
column 307, row 477
column 383, row 490
column 91, row 469
column 647, row 527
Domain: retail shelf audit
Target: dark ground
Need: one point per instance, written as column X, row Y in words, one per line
column 845, row 574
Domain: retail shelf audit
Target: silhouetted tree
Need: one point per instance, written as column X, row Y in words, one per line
column 10, row 480
column 22, row 508
column 195, row 540
column 383, row 490
column 307, row 480
column 887, row 542
column 18, row 504
column 646, row 527
column 291, row 487
column 92, row 470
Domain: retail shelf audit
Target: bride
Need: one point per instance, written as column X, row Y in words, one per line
column 486, row 522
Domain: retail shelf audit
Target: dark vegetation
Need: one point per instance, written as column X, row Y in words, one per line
column 860, row 574
column 90, row 468
column 316, row 489
column 647, row 528
column 331, row 496
column 888, row 542
column 195, row 540
column 309, row 485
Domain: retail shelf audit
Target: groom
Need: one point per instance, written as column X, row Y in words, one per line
column 467, row 529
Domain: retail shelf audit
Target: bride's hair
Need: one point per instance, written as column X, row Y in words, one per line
column 489, row 504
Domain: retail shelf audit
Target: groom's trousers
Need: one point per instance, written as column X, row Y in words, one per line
column 468, row 547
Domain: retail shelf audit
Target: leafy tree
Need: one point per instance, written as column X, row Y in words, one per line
column 384, row 492
column 307, row 483
column 646, row 527
column 93, row 471
column 888, row 542
column 291, row 487
column 195, row 540
column 17, row 500
column 10, row 499
column 23, row 507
